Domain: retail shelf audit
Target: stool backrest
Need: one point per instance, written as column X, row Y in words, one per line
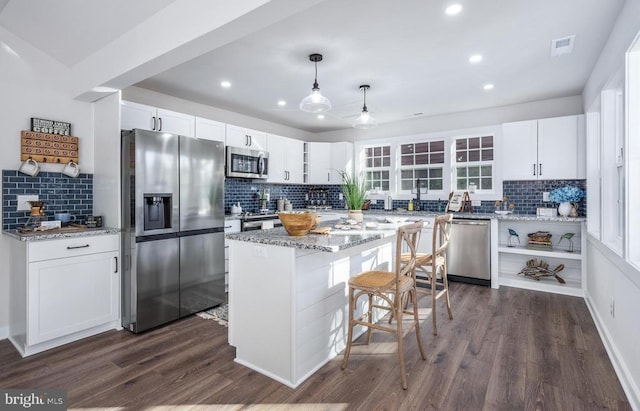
column 441, row 235
column 408, row 237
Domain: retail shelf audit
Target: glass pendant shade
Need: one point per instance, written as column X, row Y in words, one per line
column 315, row 102
column 365, row 120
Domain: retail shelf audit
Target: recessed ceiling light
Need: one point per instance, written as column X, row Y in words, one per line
column 320, row 116
column 488, row 86
column 453, row 10
column 476, row 58
column 282, row 103
column 225, row 84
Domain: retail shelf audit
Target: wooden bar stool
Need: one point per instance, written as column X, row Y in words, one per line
column 390, row 288
column 432, row 264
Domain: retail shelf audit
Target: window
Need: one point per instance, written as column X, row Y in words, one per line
column 474, row 163
column 377, row 165
column 424, row 161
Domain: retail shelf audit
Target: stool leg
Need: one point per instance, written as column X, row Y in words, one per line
column 445, row 281
column 370, row 318
column 434, row 291
column 416, row 320
column 398, row 313
column 347, row 350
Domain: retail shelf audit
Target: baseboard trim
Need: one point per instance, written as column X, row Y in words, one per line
column 628, row 384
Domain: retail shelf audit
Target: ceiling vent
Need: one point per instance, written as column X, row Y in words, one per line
column 563, row 45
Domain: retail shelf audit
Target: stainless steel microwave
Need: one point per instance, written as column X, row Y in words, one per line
column 246, row 163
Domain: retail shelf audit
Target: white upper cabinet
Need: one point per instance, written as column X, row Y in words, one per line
column 134, row 115
column 341, row 160
column 247, row 138
column 209, row 129
column 285, row 160
column 318, row 163
column 545, row 149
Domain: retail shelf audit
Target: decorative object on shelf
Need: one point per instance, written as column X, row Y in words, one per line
column 569, row 237
column 48, row 148
column 540, row 240
column 566, row 196
column 354, row 190
column 365, row 120
column 459, row 201
column 505, row 203
column 512, row 233
column 29, row 167
column 315, row 102
column 537, row 269
column 41, row 125
column 37, row 212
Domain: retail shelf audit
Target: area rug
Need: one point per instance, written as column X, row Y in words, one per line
column 219, row 314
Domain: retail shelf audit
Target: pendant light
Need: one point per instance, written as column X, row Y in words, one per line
column 315, row 102
column 365, row 120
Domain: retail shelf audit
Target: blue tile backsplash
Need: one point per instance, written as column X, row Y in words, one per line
column 525, row 195
column 59, row 193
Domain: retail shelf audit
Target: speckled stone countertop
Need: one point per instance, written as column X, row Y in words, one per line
column 319, row 242
column 54, row 236
column 471, row 216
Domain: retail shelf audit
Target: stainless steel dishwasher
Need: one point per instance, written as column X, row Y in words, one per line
column 469, row 251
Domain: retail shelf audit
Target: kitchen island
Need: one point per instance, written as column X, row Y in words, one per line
column 288, row 296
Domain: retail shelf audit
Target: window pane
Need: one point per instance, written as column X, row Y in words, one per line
column 385, row 175
column 422, row 158
column 422, row 173
column 368, row 152
column 487, row 141
column 437, row 158
column 369, row 162
column 385, row 185
column 485, row 184
column 461, row 156
column 386, row 161
column 486, row 171
column 406, row 160
column 474, row 171
column 386, row 150
column 375, row 175
column 462, row 172
column 462, row 184
column 474, row 142
column 377, row 151
column 406, row 149
column 422, row 147
column 487, row 155
column 461, row 144
column 435, row 184
column 407, row 184
column 475, row 181
column 474, row 155
column 437, row 146
column 406, row 174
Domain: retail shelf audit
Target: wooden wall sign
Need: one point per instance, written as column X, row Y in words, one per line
column 41, row 125
column 48, row 148
column 459, row 201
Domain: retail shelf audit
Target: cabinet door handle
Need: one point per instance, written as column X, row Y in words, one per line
column 115, row 260
column 328, row 176
column 77, row 246
column 540, row 169
column 228, row 226
column 246, row 139
column 534, row 169
column 160, row 122
column 153, row 124
column 250, row 140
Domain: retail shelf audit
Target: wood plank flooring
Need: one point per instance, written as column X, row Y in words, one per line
column 506, row 349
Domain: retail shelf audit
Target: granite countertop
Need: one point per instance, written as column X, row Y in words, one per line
column 337, row 241
column 43, row 235
column 482, row 216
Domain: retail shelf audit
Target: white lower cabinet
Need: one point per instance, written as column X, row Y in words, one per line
column 63, row 290
column 230, row 226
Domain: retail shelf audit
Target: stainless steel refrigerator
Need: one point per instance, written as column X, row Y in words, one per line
column 172, row 228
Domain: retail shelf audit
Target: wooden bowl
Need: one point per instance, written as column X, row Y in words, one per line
column 297, row 223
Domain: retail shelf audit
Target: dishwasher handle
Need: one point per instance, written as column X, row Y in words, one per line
column 465, row 222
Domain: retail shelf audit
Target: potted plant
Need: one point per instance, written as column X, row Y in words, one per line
column 354, row 190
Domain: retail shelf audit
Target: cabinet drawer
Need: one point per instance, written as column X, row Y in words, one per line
column 72, row 247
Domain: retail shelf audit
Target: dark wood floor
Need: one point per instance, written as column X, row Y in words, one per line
column 505, row 349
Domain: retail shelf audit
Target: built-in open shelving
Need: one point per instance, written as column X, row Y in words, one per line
column 554, row 253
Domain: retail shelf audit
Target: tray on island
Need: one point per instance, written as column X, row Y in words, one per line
column 71, row 228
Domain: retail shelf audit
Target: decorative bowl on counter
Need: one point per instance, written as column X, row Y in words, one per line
column 297, row 223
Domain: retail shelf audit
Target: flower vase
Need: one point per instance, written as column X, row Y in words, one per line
column 355, row 215
column 564, row 209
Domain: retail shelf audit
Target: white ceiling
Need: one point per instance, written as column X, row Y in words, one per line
column 414, row 56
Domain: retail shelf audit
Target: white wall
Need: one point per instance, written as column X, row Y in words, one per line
column 610, row 277
column 34, row 85
column 558, row 107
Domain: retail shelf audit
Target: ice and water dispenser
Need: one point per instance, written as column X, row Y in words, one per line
column 157, row 211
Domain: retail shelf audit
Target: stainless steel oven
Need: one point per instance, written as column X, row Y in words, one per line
column 246, row 163
column 251, row 222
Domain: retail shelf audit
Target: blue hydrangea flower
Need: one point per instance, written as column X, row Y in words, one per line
column 568, row 193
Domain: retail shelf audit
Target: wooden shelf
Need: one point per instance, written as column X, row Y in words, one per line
column 550, row 284
column 557, row 253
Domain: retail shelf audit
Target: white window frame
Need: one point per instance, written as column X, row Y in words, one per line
column 632, row 157
column 402, row 168
column 455, row 164
column 364, row 169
